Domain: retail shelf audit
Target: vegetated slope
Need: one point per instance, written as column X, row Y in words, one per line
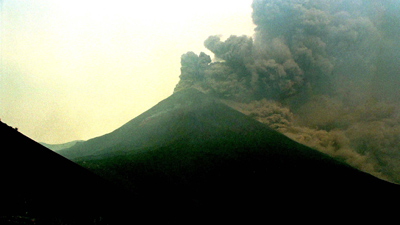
column 39, row 186
column 193, row 157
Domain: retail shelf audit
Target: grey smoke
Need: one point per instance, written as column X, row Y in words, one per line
column 325, row 73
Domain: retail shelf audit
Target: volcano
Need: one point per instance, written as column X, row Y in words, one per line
column 191, row 158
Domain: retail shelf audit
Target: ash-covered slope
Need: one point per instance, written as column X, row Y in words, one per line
column 38, row 186
column 188, row 111
column 191, row 157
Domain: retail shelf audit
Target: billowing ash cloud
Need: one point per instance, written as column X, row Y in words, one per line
column 325, row 73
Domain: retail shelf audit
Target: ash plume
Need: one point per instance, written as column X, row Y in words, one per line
column 325, row 73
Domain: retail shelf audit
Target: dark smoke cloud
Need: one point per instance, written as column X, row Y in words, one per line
column 325, row 73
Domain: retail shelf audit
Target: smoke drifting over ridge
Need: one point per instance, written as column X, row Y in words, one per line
column 325, row 73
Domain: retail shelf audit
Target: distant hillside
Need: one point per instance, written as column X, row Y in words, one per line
column 191, row 156
column 58, row 147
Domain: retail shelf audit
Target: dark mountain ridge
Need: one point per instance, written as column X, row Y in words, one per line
column 191, row 156
column 39, row 186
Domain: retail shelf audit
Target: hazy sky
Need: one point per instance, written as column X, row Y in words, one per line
column 79, row 69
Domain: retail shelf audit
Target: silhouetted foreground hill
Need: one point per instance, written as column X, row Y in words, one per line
column 191, row 159
column 39, row 186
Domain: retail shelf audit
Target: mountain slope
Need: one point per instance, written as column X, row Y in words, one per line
column 191, row 156
column 39, row 186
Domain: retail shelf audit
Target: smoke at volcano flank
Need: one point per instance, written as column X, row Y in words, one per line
column 325, row 73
